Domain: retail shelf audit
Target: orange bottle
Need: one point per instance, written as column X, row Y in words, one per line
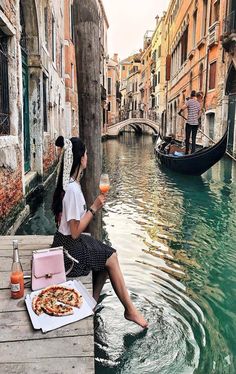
column 17, row 275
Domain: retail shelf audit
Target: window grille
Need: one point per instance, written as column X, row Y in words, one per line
column 4, row 93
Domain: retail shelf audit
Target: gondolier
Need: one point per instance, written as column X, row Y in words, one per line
column 192, row 123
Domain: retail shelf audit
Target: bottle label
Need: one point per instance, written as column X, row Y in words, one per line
column 15, row 287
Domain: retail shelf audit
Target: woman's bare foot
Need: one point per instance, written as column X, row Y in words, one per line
column 136, row 317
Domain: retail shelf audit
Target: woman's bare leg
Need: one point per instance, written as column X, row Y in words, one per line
column 118, row 283
column 99, row 280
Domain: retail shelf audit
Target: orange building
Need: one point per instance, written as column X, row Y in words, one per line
column 194, row 62
column 71, row 126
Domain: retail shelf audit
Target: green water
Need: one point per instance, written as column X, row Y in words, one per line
column 176, row 240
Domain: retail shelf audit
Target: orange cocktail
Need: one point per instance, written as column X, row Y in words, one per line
column 104, row 184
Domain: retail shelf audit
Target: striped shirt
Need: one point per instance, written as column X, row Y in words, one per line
column 193, row 111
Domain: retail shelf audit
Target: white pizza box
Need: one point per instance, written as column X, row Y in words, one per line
column 48, row 323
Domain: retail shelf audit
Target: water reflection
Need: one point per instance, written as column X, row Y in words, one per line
column 171, row 232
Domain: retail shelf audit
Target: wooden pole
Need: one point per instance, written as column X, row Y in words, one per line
column 87, row 52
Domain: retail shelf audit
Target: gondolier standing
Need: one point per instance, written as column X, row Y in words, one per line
column 192, row 122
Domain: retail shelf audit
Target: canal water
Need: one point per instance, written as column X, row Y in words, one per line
column 176, row 240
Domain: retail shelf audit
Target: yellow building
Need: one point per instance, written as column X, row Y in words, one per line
column 158, row 69
column 129, row 85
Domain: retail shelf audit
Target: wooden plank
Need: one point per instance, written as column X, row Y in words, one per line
column 64, row 365
column 55, row 347
column 17, row 327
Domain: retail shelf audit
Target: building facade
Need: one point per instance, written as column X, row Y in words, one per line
column 229, row 88
column 70, row 127
column 158, row 69
column 113, row 93
column 195, row 56
column 37, row 97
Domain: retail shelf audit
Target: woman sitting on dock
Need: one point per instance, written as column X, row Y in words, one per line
column 91, row 253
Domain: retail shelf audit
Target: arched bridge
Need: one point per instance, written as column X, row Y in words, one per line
column 114, row 130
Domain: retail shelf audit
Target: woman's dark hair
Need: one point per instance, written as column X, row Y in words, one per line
column 78, row 150
column 59, row 141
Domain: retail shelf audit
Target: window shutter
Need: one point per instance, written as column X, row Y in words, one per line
column 168, row 67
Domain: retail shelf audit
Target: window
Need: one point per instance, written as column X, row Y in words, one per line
column 159, row 51
column 53, row 39
column 204, row 18
column 184, row 46
column 212, row 76
column 194, row 28
column 154, row 80
column 215, row 11
column 200, row 77
column 72, row 77
column 61, row 60
column 109, row 106
column 191, row 81
column 159, row 77
column 123, row 67
column 73, row 118
column 109, row 86
column 45, row 114
column 4, row 89
column 46, row 27
column 72, row 23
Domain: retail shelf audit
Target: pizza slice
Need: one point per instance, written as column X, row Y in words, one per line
column 53, row 308
column 70, row 297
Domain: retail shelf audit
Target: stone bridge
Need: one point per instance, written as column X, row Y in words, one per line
column 135, row 123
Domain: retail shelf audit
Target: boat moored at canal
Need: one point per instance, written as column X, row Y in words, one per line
column 193, row 164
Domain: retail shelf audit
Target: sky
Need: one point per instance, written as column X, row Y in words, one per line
column 128, row 22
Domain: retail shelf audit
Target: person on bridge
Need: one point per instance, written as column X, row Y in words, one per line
column 91, row 253
column 192, row 121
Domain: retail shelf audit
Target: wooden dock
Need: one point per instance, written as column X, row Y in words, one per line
column 69, row 349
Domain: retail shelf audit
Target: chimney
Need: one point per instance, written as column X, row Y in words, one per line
column 157, row 19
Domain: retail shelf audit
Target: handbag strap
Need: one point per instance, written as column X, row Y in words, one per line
column 74, row 260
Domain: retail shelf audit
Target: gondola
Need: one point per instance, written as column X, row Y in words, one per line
column 192, row 164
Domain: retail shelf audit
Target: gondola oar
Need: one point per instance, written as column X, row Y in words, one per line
column 228, row 154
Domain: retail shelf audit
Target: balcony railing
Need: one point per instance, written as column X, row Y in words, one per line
column 213, row 36
column 229, row 24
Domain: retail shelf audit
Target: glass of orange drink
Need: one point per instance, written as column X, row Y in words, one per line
column 104, row 184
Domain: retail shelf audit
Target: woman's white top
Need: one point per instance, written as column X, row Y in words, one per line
column 73, row 206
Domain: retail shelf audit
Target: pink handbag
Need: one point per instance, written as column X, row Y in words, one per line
column 48, row 267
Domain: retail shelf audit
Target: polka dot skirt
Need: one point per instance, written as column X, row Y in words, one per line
column 91, row 253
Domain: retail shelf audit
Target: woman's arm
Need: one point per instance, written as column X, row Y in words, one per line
column 77, row 227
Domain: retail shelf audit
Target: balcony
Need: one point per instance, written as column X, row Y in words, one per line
column 213, row 34
column 229, row 32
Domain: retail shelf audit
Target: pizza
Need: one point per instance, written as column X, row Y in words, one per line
column 57, row 301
